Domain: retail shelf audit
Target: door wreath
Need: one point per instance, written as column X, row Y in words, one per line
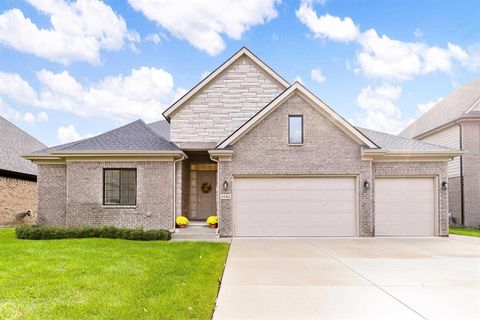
column 206, row 187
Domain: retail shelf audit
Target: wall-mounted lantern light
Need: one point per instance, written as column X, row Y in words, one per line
column 444, row 185
column 225, row 185
column 366, row 185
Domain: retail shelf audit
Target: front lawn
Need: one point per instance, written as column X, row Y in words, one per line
column 108, row 279
column 465, row 231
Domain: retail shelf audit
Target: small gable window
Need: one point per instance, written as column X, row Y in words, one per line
column 119, row 186
column 295, row 129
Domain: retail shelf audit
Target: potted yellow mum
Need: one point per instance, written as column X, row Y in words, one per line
column 181, row 221
column 212, row 221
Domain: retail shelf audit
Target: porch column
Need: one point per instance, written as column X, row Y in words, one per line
column 224, row 191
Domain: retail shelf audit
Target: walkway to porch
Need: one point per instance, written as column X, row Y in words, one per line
column 195, row 230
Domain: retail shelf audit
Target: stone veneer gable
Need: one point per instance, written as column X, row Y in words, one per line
column 224, row 105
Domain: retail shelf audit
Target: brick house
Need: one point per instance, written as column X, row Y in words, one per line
column 18, row 176
column 268, row 157
column 454, row 122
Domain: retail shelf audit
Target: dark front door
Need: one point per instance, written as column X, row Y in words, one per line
column 206, row 191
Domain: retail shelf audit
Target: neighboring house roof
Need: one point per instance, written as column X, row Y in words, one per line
column 135, row 136
column 395, row 143
column 13, row 143
column 298, row 88
column 162, row 128
column 243, row 52
column 462, row 102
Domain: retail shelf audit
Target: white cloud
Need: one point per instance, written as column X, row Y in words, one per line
column 42, row 117
column 424, row 107
column 473, row 61
column 14, row 87
column 327, row 26
column 8, row 113
column 68, row 134
column 203, row 22
column 382, row 57
column 156, row 38
column 29, row 118
column 418, row 33
column 32, row 119
column 388, row 59
column 380, row 111
column 79, row 31
column 298, row 79
column 317, row 75
column 205, row 74
column 144, row 93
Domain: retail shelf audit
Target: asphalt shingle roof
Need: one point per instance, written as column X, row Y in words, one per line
column 13, row 143
column 450, row 108
column 135, row 136
column 396, row 143
column 162, row 128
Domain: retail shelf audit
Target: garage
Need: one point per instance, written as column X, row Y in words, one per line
column 295, row 206
column 405, row 207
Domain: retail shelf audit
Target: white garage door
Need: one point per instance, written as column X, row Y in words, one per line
column 294, row 206
column 404, row 207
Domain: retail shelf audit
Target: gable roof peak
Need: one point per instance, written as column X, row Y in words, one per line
column 243, row 52
column 304, row 93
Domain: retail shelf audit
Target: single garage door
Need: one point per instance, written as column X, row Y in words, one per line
column 404, row 207
column 310, row 206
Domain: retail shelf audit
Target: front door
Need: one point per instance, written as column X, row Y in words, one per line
column 206, row 200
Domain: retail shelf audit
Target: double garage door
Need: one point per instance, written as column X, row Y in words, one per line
column 327, row 206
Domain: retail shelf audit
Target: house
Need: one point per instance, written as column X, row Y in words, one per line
column 454, row 122
column 269, row 157
column 18, row 176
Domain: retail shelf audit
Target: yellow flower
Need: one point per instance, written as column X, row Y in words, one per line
column 212, row 220
column 181, row 220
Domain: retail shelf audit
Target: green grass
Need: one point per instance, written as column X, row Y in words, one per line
column 465, row 232
column 108, row 279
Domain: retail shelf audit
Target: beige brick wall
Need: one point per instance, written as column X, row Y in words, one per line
column 233, row 98
column 455, row 199
column 17, row 196
column 327, row 150
column 154, row 196
column 471, row 173
column 52, row 194
column 438, row 169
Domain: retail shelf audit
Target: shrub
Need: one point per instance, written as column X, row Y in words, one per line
column 32, row 232
column 181, row 221
column 212, row 220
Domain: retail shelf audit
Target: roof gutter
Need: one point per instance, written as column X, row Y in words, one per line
column 379, row 153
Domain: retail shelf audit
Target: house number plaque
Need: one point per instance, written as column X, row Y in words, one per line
column 225, row 196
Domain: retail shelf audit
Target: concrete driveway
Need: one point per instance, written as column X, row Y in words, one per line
column 375, row 278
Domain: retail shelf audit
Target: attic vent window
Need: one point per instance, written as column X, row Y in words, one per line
column 295, row 129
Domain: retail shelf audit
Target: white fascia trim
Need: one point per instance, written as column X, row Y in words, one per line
column 316, row 102
column 244, row 51
column 396, row 153
column 40, row 156
column 129, row 152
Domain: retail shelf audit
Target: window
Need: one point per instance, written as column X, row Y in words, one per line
column 295, row 129
column 119, row 186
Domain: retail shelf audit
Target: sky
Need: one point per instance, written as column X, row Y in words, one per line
column 74, row 69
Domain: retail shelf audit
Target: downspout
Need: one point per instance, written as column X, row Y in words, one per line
column 218, row 191
column 182, row 157
column 462, row 197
